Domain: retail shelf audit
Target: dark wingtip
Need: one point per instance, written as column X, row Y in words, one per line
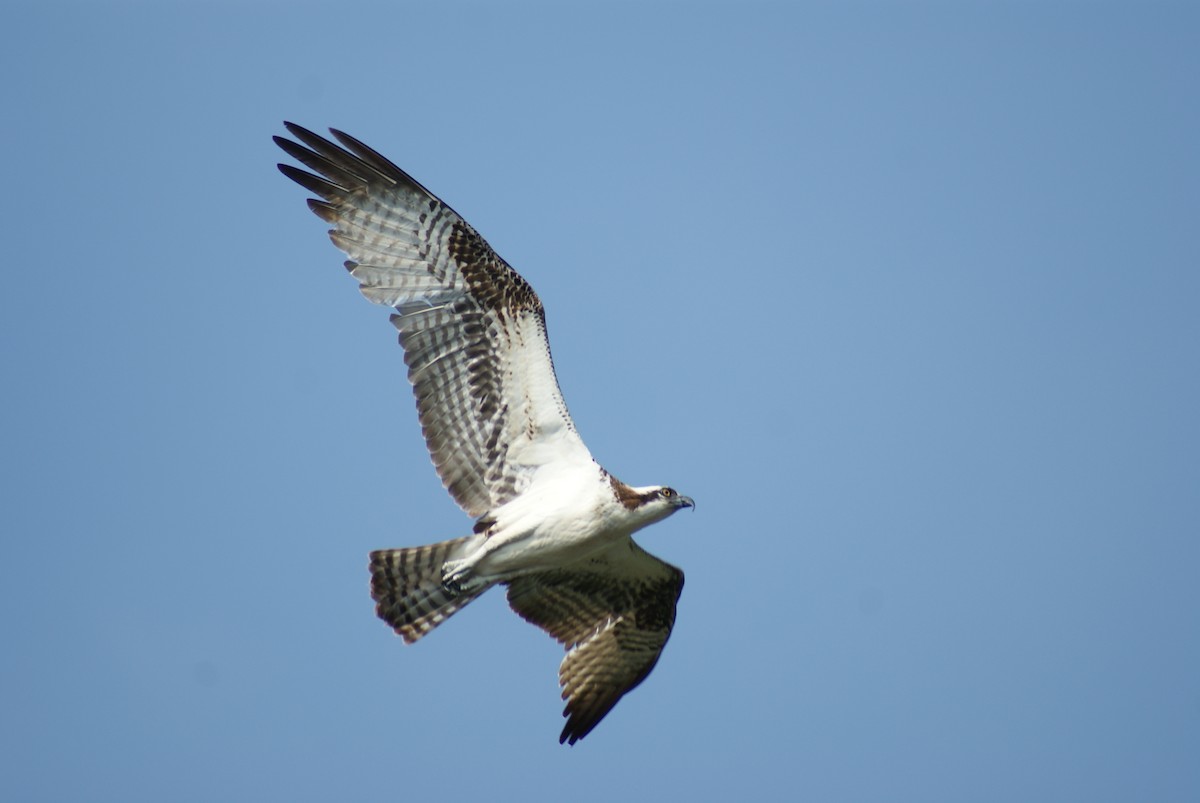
column 314, row 184
column 577, row 727
column 302, row 133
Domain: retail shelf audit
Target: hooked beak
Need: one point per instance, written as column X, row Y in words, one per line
column 684, row 501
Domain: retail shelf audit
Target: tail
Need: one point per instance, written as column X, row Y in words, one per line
column 406, row 585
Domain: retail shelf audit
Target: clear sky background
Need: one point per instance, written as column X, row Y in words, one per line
column 907, row 296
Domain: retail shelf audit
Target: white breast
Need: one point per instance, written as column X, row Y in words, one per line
column 558, row 520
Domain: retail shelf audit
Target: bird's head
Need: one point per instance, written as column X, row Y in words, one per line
column 656, row 502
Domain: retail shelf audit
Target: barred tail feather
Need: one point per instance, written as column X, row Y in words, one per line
column 406, row 585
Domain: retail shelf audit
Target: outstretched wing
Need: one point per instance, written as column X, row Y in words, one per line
column 613, row 613
column 473, row 331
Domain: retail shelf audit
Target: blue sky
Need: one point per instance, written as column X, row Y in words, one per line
column 907, row 296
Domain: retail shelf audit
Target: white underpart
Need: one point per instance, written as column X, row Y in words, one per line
column 562, row 517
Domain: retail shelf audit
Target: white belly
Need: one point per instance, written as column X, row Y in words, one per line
column 551, row 525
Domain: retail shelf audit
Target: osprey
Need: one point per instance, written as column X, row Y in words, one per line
column 550, row 524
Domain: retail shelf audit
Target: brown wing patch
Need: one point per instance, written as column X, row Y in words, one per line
column 494, row 284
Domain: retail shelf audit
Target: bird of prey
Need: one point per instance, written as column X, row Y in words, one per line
column 550, row 524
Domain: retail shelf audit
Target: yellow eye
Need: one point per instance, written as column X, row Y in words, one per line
column 667, row 493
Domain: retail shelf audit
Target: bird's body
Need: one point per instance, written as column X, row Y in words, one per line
column 560, row 518
column 551, row 524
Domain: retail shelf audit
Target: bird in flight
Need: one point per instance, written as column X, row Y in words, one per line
column 550, row 524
